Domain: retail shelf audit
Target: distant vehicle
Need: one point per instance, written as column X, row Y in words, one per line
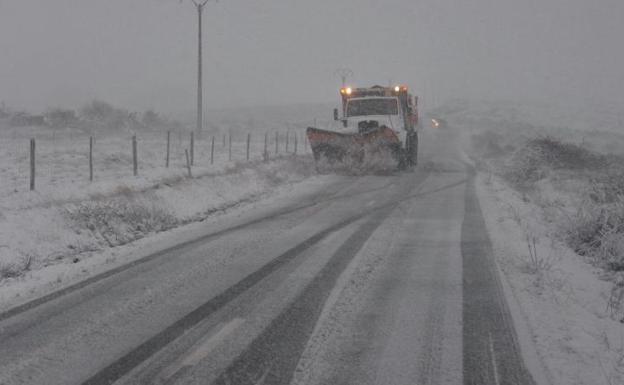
column 438, row 123
column 374, row 120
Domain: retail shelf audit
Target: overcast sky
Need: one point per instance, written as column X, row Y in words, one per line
column 142, row 53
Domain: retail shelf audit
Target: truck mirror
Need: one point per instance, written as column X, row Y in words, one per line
column 335, row 114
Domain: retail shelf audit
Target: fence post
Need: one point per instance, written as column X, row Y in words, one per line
column 265, row 154
column 223, row 140
column 212, row 150
column 287, row 138
column 135, row 163
column 168, row 147
column 192, row 148
column 295, row 143
column 276, row 142
column 188, row 163
column 32, row 164
column 248, row 140
column 90, row 159
column 230, row 147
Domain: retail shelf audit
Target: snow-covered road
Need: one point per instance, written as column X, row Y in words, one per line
column 384, row 279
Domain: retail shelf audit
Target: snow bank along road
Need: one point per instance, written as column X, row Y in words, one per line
column 386, row 279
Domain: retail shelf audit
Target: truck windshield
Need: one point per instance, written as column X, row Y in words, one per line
column 385, row 106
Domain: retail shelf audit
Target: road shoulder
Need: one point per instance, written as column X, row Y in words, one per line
column 558, row 303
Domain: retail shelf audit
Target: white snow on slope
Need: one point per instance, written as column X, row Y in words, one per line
column 71, row 240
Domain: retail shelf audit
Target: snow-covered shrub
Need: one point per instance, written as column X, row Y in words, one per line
column 597, row 232
column 101, row 115
column 10, row 270
column 16, row 269
column 61, row 118
column 608, row 186
column 538, row 156
column 121, row 220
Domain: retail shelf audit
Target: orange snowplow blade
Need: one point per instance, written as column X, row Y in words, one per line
column 334, row 146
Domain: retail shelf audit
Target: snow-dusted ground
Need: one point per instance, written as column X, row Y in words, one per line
column 67, row 249
column 68, row 226
column 562, row 297
column 597, row 128
column 566, row 301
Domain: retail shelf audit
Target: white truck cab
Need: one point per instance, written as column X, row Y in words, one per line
column 360, row 112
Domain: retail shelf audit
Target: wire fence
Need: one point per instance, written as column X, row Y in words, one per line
column 53, row 158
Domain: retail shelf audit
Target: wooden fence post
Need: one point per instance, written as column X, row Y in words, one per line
column 188, row 163
column 212, row 150
column 276, row 142
column 287, row 138
column 295, row 143
column 192, row 148
column 32, row 164
column 135, row 162
column 90, row 159
column 230, row 148
column 168, row 148
column 248, row 140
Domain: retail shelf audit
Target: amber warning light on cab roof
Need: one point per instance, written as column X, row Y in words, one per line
column 384, row 90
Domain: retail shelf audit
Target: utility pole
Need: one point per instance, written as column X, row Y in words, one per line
column 343, row 73
column 200, row 9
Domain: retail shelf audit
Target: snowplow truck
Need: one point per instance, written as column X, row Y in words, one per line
column 375, row 121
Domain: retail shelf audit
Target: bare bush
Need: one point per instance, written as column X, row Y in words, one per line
column 597, row 232
column 533, row 161
column 608, row 186
column 153, row 120
column 121, row 220
column 105, row 115
column 17, row 269
column 535, row 263
column 10, row 270
column 61, row 118
column 615, row 303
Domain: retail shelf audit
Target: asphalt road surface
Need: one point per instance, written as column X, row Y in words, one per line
column 383, row 278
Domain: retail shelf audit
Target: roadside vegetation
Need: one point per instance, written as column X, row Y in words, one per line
column 117, row 221
column 581, row 192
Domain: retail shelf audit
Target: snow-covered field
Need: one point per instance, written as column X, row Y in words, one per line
column 69, row 220
column 50, row 244
column 62, row 159
column 596, row 128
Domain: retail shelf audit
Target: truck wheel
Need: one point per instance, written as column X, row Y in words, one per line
column 413, row 154
column 411, row 149
column 400, row 155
